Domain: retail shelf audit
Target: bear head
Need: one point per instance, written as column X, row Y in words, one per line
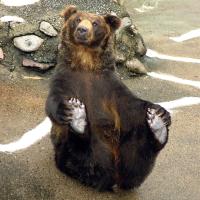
column 88, row 29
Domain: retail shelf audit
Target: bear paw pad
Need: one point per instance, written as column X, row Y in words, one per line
column 158, row 120
column 76, row 115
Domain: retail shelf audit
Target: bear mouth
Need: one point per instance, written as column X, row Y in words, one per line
column 82, row 41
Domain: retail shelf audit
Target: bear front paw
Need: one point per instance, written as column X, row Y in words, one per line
column 158, row 120
column 72, row 112
column 76, row 115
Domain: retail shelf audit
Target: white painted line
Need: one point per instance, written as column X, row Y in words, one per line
column 153, row 54
column 182, row 102
column 143, row 9
column 29, row 138
column 187, row 36
column 18, row 2
column 147, row 5
column 175, row 79
column 12, row 19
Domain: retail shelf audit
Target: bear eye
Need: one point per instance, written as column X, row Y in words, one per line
column 78, row 20
column 95, row 24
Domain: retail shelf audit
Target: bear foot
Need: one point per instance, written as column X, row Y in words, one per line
column 158, row 120
column 76, row 115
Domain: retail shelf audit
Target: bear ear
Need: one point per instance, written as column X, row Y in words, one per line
column 113, row 21
column 68, row 12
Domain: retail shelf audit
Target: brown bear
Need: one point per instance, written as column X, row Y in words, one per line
column 103, row 135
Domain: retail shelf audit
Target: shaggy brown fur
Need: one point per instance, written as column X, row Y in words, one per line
column 117, row 145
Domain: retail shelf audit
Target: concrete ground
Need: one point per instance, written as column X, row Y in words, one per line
column 31, row 173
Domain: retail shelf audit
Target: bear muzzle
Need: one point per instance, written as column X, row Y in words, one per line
column 83, row 33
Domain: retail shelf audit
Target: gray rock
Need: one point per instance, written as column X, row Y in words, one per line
column 48, row 29
column 18, row 29
column 126, row 22
column 136, row 66
column 1, row 54
column 130, row 43
column 36, row 65
column 140, row 48
column 9, row 18
column 18, row 2
column 28, row 43
column 120, row 58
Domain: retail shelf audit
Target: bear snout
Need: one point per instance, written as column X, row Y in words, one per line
column 82, row 35
column 82, row 32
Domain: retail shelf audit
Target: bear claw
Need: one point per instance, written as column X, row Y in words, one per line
column 76, row 115
column 158, row 120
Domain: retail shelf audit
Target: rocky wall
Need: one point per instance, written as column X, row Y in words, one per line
column 29, row 35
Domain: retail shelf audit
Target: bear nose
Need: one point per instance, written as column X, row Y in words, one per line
column 82, row 30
